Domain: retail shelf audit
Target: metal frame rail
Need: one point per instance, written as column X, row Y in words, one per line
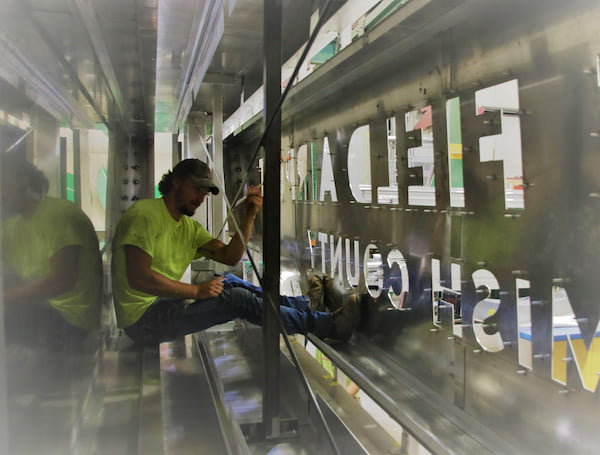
column 440, row 427
column 231, row 431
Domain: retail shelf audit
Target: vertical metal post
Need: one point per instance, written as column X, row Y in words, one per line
column 150, row 167
column 197, row 148
column 175, row 149
column 63, row 167
column 271, row 213
column 77, row 167
column 185, row 150
column 3, row 385
column 117, row 158
column 219, row 212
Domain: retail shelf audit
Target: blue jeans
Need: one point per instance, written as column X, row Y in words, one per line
column 300, row 302
column 167, row 319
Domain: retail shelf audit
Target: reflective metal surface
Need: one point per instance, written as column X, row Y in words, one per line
column 234, row 361
column 445, row 162
column 85, row 62
column 94, row 399
column 191, row 420
column 203, row 45
column 496, row 219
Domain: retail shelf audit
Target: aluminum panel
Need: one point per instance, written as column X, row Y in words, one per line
column 514, row 113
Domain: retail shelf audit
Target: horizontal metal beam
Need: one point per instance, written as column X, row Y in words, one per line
column 440, row 429
column 220, row 78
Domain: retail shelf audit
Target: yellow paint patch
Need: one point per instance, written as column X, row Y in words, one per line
column 455, row 151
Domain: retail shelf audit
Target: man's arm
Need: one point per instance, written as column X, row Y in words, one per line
column 231, row 253
column 62, row 277
column 141, row 277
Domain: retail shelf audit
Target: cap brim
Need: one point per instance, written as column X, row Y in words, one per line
column 206, row 183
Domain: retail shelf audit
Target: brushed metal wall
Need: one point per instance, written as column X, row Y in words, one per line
column 500, row 316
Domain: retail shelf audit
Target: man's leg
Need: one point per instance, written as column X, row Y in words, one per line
column 167, row 319
column 300, row 302
column 240, row 303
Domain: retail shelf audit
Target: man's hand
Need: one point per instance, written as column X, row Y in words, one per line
column 232, row 252
column 254, row 199
column 210, row 289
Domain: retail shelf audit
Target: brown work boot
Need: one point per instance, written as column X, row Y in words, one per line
column 334, row 298
column 315, row 293
column 346, row 319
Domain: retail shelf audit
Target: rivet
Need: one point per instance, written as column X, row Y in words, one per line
column 565, row 391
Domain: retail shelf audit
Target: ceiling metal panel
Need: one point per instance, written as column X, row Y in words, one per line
column 236, row 62
column 176, row 19
column 86, row 62
column 240, row 52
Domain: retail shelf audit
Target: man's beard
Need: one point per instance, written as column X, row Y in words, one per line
column 182, row 206
column 187, row 212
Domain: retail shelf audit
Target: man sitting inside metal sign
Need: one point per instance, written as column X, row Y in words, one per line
column 155, row 241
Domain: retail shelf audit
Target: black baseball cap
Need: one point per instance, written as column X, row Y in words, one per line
column 197, row 171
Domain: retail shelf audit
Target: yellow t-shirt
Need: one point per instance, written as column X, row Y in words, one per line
column 148, row 225
column 28, row 243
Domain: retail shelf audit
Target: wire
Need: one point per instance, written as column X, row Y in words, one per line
column 235, row 202
column 282, row 98
column 18, row 141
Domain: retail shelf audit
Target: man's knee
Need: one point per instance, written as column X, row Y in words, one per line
column 240, row 295
column 245, row 304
